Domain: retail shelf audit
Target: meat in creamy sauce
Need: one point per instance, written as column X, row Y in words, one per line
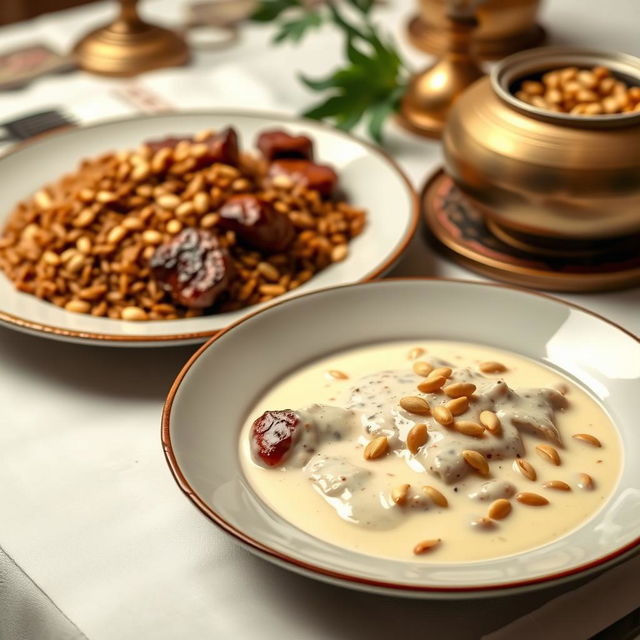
column 356, row 451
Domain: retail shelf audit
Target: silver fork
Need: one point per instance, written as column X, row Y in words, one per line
column 34, row 124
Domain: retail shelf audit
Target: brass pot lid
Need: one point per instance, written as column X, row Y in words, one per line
column 461, row 231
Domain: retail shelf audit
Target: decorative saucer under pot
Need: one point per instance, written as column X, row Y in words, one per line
column 546, row 181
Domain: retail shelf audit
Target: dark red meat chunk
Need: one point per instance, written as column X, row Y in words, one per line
column 272, row 435
column 193, row 268
column 256, row 222
column 318, row 177
column 279, row 144
column 222, row 147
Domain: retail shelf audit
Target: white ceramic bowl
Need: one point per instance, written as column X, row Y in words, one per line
column 216, row 389
column 367, row 175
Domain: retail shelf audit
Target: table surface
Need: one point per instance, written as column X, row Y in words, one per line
column 97, row 538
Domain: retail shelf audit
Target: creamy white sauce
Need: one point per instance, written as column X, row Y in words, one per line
column 327, row 488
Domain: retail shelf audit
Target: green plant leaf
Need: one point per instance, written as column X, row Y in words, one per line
column 369, row 85
column 363, row 6
column 378, row 115
column 296, row 28
column 332, row 106
column 341, row 22
column 319, row 84
column 269, row 10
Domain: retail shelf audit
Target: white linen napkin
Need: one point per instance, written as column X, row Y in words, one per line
column 582, row 612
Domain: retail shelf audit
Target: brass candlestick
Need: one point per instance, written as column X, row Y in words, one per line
column 426, row 104
column 129, row 46
column 506, row 26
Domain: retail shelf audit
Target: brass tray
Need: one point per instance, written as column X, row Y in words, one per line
column 462, row 232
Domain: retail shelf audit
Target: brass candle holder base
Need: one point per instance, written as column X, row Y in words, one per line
column 430, row 95
column 469, row 238
column 130, row 46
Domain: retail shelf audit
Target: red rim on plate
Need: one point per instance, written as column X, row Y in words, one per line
column 320, row 572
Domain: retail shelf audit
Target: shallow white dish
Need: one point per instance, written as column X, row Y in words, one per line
column 369, row 178
column 216, row 389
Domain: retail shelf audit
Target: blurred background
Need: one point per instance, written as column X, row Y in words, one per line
column 16, row 10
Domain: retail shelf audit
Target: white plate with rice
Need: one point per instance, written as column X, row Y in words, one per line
column 368, row 177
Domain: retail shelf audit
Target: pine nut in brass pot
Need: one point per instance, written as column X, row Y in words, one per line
column 560, row 178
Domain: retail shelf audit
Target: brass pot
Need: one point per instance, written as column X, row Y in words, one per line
column 505, row 26
column 544, row 178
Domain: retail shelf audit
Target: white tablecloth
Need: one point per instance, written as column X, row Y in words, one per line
column 95, row 537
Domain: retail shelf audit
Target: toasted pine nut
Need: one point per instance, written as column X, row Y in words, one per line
column 416, row 405
column 458, row 406
column 106, row 197
column 83, row 244
column 399, row 494
column 132, row 223
column 76, row 263
column 425, row 545
column 588, row 438
column 268, row 271
column 93, row 293
column 533, row 88
column 499, row 509
column 339, row 253
column 271, row 289
column 209, row 220
column 432, row 384
column 85, row 218
column 557, row 484
column 376, row 448
column 417, row 436
column 337, row 375
column 198, row 150
column 201, row 202
column 459, row 389
column 151, row 236
column 476, row 461
column 67, row 254
column 116, row 234
column 442, row 414
column 491, row 421
column 492, row 367
column 168, row 201
column 415, row 353
column 435, row 495
column 469, row 428
column 78, row 306
column 51, row 257
column 43, row 199
column 133, row 313
column 548, row 453
column 445, row 372
column 585, row 481
column 525, row 468
column 140, row 172
column 531, row 499
column 203, row 135
column 483, row 523
column 422, row 368
column 173, row 227
column 184, row 209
